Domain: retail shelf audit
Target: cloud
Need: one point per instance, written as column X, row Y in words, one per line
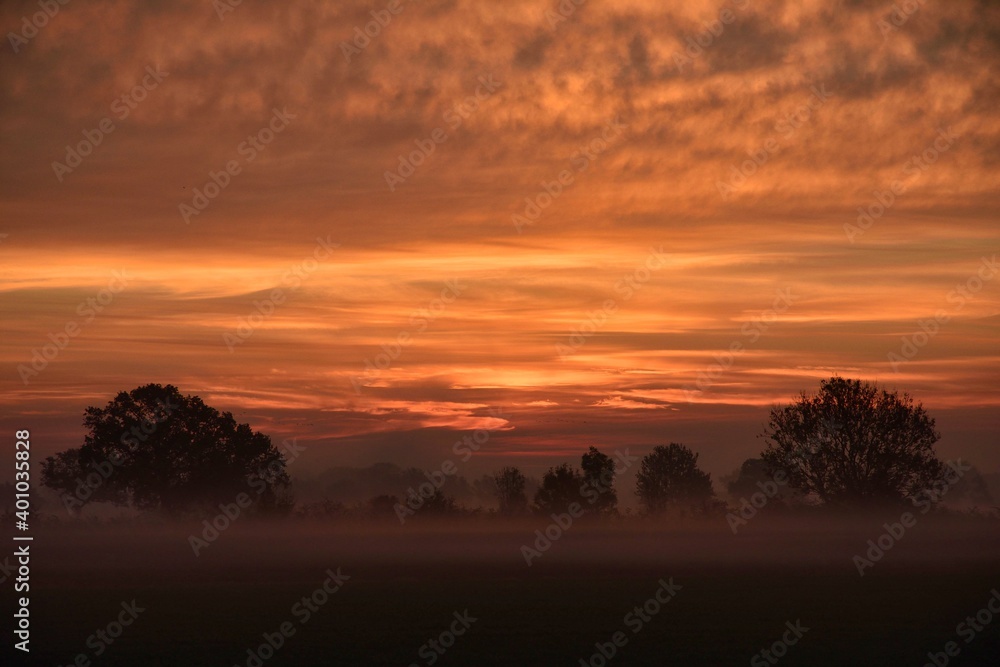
column 627, row 404
column 751, row 86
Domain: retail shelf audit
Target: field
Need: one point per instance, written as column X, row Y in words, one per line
column 406, row 584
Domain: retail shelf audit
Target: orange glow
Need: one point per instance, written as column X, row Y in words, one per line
column 434, row 307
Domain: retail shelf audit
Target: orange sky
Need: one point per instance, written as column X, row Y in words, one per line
column 651, row 249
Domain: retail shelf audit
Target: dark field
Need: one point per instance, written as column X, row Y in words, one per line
column 406, row 583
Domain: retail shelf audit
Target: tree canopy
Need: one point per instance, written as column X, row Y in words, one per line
column 669, row 477
column 153, row 448
column 560, row 487
column 853, row 444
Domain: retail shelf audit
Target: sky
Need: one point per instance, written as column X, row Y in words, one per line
column 381, row 227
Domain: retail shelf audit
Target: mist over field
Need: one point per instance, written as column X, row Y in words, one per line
column 404, row 584
column 251, row 543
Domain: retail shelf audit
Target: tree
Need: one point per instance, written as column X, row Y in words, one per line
column 853, row 444
column 756, row 476
column 154, row 449
column 560, row 488
column 669, row 477
column 599, row 475
column 971, row 490
column 509, row 484
column 438, row 504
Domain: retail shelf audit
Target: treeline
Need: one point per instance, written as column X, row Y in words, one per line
column 668, row 482
column 850, row 445
column 668, row 479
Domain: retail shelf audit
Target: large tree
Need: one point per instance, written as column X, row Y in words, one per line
column 853, row 444
column 669, row 478
column 155, row 449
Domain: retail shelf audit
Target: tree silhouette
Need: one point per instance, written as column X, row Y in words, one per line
column 155, row 449
column 669, row 477
column 599, row 475
column 510, row 491
column 853, row 444
column 972, row 489
column 560, row 487
column 753, row 476
column 439, row 504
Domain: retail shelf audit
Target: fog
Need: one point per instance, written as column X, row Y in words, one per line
column 249, row 547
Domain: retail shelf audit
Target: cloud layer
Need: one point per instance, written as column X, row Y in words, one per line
column 498, row 177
